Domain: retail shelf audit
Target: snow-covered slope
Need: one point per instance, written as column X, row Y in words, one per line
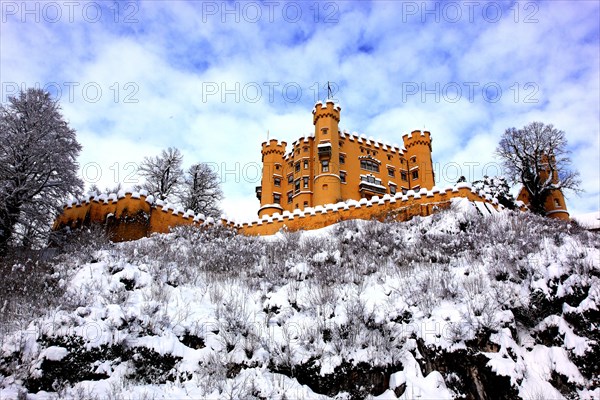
column 455, row 305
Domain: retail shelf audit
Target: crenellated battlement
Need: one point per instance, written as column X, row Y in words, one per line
column 274, row 146
column 327, row 109
column 131, row 216
column 417, row 137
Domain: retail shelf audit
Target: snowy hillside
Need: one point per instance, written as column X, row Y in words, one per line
column 455, row 305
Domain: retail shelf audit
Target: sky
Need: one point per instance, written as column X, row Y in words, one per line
column 216, row 78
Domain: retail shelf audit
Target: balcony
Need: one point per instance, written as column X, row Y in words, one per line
column 258, row 191
column 371, row 189
column 371, row 186
column 324, row 150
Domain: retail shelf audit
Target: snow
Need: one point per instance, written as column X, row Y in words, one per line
column 431, row 386
column 54, row 353
column 267, row 311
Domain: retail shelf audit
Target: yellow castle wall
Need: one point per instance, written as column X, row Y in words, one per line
column 130, row 218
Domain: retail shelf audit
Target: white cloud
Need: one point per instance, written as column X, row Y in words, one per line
column 375, row 52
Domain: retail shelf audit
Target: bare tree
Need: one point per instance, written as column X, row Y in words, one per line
column 38, row 168
column 202, row 191
column 163, row 173
column 537, row 157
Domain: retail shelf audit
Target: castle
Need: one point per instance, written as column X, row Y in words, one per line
column 327, row 177
column 332, row 166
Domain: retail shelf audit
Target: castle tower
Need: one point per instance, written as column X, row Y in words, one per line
column 417, row 160
column 554, row 204
column 327, row 184
column 270, row 192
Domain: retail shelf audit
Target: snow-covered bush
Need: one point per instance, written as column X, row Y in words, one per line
column 455, row 304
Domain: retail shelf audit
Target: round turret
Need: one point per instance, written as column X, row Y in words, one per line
column 273, row 153
column 326, row 170
column 329, row 109
column 418, row 159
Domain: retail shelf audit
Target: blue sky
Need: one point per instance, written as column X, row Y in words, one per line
column 212, row 77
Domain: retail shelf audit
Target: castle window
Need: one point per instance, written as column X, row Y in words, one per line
column 305, row 149
column 290, row 196
column 277, row 199
column 277, row 182
column 325, row 166
column 389, row 157
column 391, row 172
column 306, row 204
column 290, row 178
column 324, row 130
column 392, row 189
column 342, row 159
column 415, row 174
column 404, row 176
column 305, row 182
column 277, row 167
column 297, row 166
column 556, row 203
column 369, row 165
column 413, row 159
column 297, row 186
column 305, row 164
column 342, row 176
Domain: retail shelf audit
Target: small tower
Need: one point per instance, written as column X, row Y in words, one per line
column 418, row 159
column 270, row 190
column 326, row 169
column 554, row 204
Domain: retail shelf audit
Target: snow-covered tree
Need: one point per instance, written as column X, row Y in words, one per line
column 163, row 173
column 38, row 168
column 202, row 190
column 498, row 188
column 536, row 156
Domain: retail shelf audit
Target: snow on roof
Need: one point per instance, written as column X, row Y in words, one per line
column 589, row 220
